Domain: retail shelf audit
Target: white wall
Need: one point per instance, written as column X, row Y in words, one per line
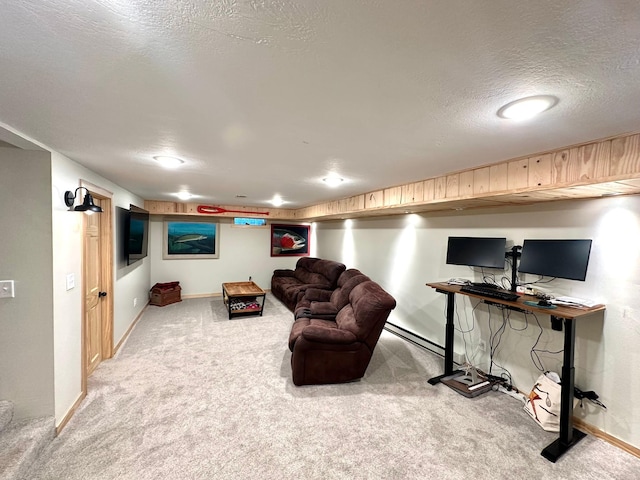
column 244, row 252
column 26, row 321
column 67, row 258
column 403, row 253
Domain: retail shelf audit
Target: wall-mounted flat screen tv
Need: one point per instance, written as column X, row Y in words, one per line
column 556, row 258
column 136, row 234
column 486, row 252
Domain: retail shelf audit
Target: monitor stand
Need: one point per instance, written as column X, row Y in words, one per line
column 514, row 254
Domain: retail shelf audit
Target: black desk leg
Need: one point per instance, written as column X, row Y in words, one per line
column 448, row 340
column 569, row 436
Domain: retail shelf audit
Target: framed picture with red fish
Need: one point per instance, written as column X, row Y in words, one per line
column 289, row 240
column 191, row 240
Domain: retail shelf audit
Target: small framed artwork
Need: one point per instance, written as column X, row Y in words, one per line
column 289, row 240
column 185, row 239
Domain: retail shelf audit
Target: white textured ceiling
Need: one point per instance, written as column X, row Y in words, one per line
column 268, row 96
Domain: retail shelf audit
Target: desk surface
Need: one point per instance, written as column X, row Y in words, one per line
column 561, row 311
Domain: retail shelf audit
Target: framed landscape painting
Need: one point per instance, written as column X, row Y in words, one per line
column 187, row 240
column 289, row 240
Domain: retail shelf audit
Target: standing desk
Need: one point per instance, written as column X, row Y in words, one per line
column 569, row 436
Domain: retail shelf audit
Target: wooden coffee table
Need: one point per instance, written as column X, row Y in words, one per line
column 243, row 298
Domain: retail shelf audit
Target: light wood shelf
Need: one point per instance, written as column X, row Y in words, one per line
column 590, row 170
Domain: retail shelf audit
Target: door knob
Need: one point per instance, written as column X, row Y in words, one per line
column 102, row 294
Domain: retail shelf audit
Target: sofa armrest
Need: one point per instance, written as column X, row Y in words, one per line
column 323, row 308
column 317, row 295
column 315, row 333
column 283, row 273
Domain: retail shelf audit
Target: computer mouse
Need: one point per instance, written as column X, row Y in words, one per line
column 544, row 303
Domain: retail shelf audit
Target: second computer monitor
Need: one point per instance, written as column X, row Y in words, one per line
column 486, row 252
column 556, row 258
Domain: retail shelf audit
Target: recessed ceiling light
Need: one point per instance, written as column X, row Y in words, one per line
column 184, row 195
column 333, row 180
column 276, row 201
column 527, row 107
column 168, row 162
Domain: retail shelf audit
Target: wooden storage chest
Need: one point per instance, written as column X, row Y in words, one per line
column 162, row 294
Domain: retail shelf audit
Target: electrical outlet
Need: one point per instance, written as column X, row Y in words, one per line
column 7, row 289
column 482, row 346
column 135, row 302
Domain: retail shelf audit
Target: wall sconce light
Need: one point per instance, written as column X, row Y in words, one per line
column 87, row 205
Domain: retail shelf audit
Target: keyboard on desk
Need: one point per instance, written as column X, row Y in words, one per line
column 492, row 286
column 490, row 292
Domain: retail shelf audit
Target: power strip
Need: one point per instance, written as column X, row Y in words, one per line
column 513, row 393
column 534, row 290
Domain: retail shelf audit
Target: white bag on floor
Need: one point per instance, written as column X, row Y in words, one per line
column 543, row 403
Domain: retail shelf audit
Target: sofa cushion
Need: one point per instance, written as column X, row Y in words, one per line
column 305, row 276
column 299, row 325
column 369, row 305
column 316, row 295
column 315, row 304
column 331, row 335
column 331, row 270
column 340, row 296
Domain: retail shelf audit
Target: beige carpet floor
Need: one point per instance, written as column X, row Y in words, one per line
column 193, row 395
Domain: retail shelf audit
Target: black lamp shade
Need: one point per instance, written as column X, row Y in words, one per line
column 87, row 204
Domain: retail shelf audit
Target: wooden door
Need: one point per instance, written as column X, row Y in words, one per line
column 97, row 275
column 93, row 289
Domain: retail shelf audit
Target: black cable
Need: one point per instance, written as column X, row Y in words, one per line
column 526, row 324
column 540, row 280
column 464, row 339
column 533, row 354
column 459, row 328
column 590, row 395
column 492, row 338
column 535, row 357
column 491, row 350
column 473, row 326
column 498, row 335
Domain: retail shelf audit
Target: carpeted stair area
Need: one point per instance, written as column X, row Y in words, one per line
column 21, row 442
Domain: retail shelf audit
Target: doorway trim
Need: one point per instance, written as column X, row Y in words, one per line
column 106, row 278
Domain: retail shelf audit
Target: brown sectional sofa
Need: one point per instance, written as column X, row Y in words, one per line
column 340, row 351
column 336, row 328
column 289, row 286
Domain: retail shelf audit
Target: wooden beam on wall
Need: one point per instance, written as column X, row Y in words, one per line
column 587, row 170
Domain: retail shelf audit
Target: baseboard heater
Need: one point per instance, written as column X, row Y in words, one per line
column 415, row 339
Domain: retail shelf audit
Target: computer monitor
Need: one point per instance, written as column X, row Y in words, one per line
column 486, row 252
column 556, row 258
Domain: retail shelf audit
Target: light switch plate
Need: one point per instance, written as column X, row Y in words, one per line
column 6, row 289
column 71, row 281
